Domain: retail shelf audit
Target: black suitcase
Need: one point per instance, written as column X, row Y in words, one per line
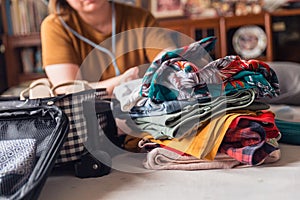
column 30, row 140
column 95, row 161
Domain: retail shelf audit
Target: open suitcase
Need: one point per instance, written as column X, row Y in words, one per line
column 30, row 139
column 44, row 128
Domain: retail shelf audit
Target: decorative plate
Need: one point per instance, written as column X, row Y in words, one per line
column 249, row 41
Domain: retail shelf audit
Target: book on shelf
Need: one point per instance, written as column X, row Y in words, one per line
column 15, row 17
column 7, row 6
column 31, row 60
column 31, row 17
column 24, row 16
column 28, row 60
column 41, row 11
column 38, row 60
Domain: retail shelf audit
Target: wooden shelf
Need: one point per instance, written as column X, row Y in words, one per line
column 235, row 21
column 20, row 41
column 30, row 76
column 12, row 45
column 286, row 12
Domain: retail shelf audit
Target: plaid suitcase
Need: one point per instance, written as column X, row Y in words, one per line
column 30, row 140
column 92, row 122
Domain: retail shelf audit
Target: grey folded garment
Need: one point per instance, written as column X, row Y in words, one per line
column 164, row 159
column 150, row 108
column 289, row 77
column 17, row 160
column 192, row 117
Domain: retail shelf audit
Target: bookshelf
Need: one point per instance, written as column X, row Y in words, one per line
column 20, row 20
column 21, row 36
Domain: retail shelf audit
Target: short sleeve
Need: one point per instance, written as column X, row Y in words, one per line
column 57, row 46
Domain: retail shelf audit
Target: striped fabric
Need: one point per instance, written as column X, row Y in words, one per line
column 251, row 140
column 72, row 105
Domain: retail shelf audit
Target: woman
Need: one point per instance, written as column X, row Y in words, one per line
column 119, row 28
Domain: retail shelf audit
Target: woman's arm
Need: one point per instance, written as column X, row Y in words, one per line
column 61, row 73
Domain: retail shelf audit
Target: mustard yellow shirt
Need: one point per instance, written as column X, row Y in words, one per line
column 135, row 45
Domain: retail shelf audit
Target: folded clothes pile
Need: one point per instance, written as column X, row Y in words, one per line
column 200, row 112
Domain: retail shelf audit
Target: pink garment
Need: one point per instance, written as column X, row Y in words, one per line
column 164, row 159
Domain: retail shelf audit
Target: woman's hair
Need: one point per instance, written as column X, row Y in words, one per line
column 63, row 4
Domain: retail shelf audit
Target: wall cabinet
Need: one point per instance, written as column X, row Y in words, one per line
column 224, row 28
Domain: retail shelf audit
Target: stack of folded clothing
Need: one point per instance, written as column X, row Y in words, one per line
column 208, row 115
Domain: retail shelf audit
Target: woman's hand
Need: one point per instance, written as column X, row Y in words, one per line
column 61, row 73
column 110, row 84
column 129, row 75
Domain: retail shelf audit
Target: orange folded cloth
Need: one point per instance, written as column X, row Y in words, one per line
column 205, row 144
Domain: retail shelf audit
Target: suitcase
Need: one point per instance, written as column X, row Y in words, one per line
column 30, row 140
column 92, row 137
column 95, row 159
column 102, row 135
